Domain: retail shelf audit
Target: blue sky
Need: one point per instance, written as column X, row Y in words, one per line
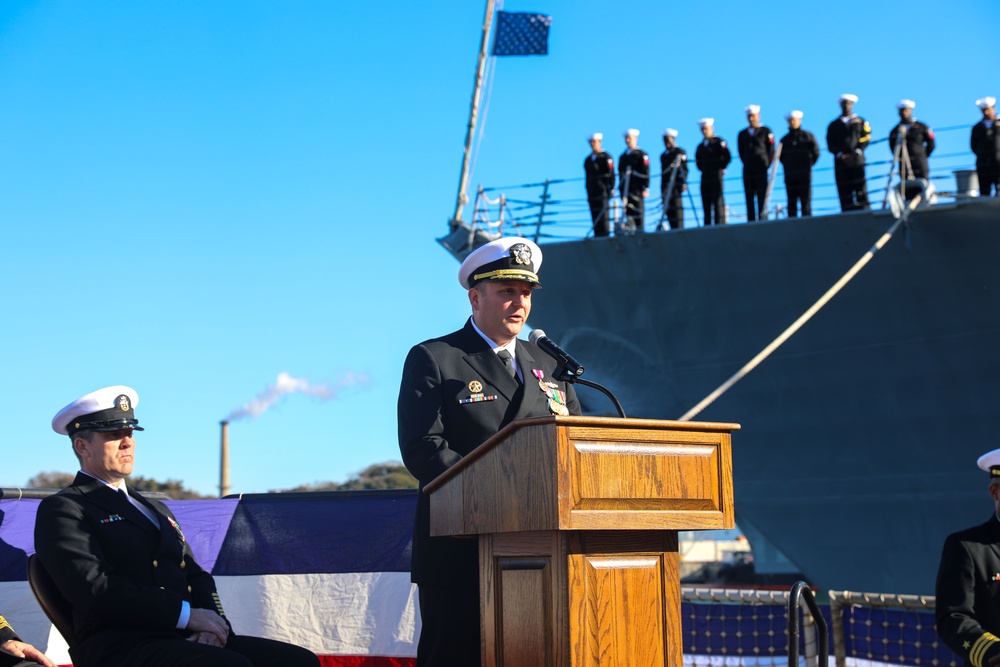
column 197, row 197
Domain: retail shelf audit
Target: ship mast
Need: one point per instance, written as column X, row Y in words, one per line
column 463, row 181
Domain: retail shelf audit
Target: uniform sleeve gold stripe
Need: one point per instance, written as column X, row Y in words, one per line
column 4, row 623
column 979, row 649
column 218, row 604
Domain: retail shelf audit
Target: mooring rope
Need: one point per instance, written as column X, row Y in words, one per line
column 805, row 317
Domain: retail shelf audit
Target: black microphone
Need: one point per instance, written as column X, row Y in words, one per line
column 566, row 363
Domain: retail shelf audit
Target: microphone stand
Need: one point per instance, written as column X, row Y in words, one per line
column 564, row 374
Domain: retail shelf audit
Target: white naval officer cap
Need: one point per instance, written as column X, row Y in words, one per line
column 794, row 113
column 847, row 97
column 631, row 132
column 706, row 121
column 108, row 409
column 986, row 102
column 752, row 108
column 596, row 136
column 990, row 462
column 507, row 258
column 906, row 104
column 670, row 132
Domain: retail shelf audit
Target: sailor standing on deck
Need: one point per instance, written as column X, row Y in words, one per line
column 756, row 148
column 456, row 392
column 633, row 179
column 847, row 138
column 712, row 157
column 599, row 168
column 986, row 146
column 919, row 141
column 968, row 582
column 673, row 175
column 799, row 152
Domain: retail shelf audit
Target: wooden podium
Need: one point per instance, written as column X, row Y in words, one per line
column 577, row 519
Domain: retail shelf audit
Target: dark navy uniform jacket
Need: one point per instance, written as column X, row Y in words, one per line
column 123, row 575
column 712, row 158
column 639, row 162
column 756, row 148
column 799, row 152
column 439, row 424
column 985, row 143
column 968, row 593
column 850, row 139
column 667, row 158
column 600, row 171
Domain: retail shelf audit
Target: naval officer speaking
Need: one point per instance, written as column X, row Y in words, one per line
column 456, row 392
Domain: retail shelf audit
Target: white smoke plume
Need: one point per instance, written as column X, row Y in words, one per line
column 286, row 384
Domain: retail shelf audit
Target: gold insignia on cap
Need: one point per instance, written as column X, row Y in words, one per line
column 475, row 386
column 520, row 253
column 123, row 403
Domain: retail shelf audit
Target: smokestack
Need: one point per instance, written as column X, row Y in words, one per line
column 224, row 462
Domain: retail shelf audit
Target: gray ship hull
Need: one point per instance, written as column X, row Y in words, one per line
column 860, row 434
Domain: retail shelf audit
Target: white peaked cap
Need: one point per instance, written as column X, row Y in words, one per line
column 706, row 121
column 506, row 258
column 795, row 113
column 906, row 104
column 107, row 409
column 596, row 136
column 670, row 132
column 632, row 132
column 986, row 102
column 752, row 108
column 847, row 97
column 989, row 461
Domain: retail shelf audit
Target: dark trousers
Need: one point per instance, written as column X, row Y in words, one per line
column 675, row 210
column 712, row 200
column 755, row 187
column 989, row 180
column 635, row 209
column 7, row 660
column 128, row 648
column 449, row 627
column 799, row 192
column 599, row 214
column 851, row 188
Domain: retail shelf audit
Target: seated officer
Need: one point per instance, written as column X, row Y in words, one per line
column 968, row 617
column 139, row 597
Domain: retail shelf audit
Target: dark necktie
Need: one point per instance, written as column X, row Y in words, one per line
column 508, row 363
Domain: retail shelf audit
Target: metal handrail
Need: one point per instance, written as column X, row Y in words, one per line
column 801, row 590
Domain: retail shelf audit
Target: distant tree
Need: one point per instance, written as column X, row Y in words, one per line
column 51, row 480
column 172, row 487
column 390, row 475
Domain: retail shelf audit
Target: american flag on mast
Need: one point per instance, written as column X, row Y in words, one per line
column 521, row 34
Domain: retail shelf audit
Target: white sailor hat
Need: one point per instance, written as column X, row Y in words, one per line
column 847, row 97
column 706, row 121
column 986, row 102
column 631, row 132
column 670, row 132
column 906, row 104
column 108, row 409
column 794, row 113
column 990, row 462
column 752, row 108
column 596, row 136
column 507, row 258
